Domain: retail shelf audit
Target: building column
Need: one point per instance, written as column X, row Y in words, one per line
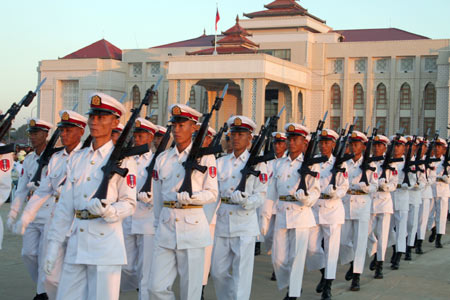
column 369, row 113
column 442, row 92
column 393, row 112
column 346, row 101
column 416, row 99
column 294, row 114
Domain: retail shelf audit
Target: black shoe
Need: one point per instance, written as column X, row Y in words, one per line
column 326, row 294
column 373, row 262
column 419, row 247
column 393, row 254
column 203, row 290
column 432, row 235
column 448, row 216
column 349, row 274
column 42, row 296
column 355, row 282
column 438, row 244
column 274, row 277
column 379, row 270
column 321, row 284
column 257, row 248
column 396, row 264
column 408, row 253
column 289, row 298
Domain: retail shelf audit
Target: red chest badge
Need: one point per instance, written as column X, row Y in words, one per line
column 375, row 175
column 21, row 173
column 263, row 177
column 212, row 172
column 131, row 180
column 155, row 175
column 345, row 175
column 394, row 172
column 318, row 175
column 4, row 165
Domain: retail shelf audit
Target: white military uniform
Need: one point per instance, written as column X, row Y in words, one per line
column 330, row 215
column 236, row 228
column 415, row 199
column 427, row 203
column 6, row 164
column 357, row 204
column 441, row 193
column 96, row 248
column 139, row 234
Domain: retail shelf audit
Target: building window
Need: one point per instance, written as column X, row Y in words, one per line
column 407, row 64
column 358, row 96
column 429, row 123
column 382, row 121
column 405, row 97
column 382, row 65
column 136, row 69
column 338, row 66
column 280, row 53
column 381, row 97
column 430, row 97
column 335, row 123
column 271, row 104
column 405, row 123
column 359, row 123
column 335, row 96
column 360, row 65
column 192, row 97
column 136, row 95
column 155, row 68
column 69, row 93
column 430, row 64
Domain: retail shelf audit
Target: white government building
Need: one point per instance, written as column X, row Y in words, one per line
column 281, row 55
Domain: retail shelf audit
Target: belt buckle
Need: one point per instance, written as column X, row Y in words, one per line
column 177, row 205
column 84, row 214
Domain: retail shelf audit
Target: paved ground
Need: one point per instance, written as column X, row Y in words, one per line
column 425, row 277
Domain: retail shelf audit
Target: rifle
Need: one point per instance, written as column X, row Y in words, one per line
column 218, row 137
column 388, row 159
column 367, row 159
column 445, row 163
column 341, row 157
column 309, row 159
column 255, row 158
column 336, row 149
column 417, row 161
column 8, row 117
column 44, row 159
column 408, row 164
column 87, row 142
column 197, row 151
column 147, row 187
column 121, row 150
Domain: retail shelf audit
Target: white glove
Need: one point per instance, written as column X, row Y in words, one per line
column 95, row 207
column 107, row 212
column 199, row 198
column 57, row 192
column 364, row 187
column 446, row 178
column 330, row 191
column 239, row 197
column 32, row 186
column 184, row 198
column 300, row 195
column 264, row 225
column 145, row 197
column 10, row 223
column 50, row 257
column 405, row 186
column 19, row 228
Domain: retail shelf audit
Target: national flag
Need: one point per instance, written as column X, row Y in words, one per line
column 217, row 17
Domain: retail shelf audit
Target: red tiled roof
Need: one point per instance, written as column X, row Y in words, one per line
column 236, row 40
column 282, row 8
column 201, row 41
column 99, row 49
column 378, row 34
column 224, row 50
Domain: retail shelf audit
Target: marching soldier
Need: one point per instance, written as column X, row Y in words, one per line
column 441, row 193
column 159, row 135
column 382, row 209
column 116, row 133
column 182, row 227
column 357, row 204
column 138, row 228
column 237, row 220
column 34, row 234
column 294, row 216
column 330, row 215
column 95, row 248
column 72, row 127
column 6, row 164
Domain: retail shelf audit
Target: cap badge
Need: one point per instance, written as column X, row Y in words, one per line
column 377, row 138
column 176, row 111
column 237, row 122
column 138, row 123
column 354, row 134
column 96, row 100
column 324, row 133
column 278, row 136
column 65, row 116
column 291, row 128
column 32, row 123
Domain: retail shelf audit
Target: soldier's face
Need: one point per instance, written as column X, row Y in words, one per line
column 357, row 147
column 102, row 125
column 297, row 144
column 424, row 149
column 326, row 147
column 240, row 140
column 157, row 140
column 207, row 141
column 142, row 138
column 182, row 132
column 280, row 148
column 378, row 149
column 71, row 135
column 439, row 150
column 399, row 150
column 115, row 136
column 37, row 138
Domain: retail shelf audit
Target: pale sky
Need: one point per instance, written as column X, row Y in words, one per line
column 32, row 30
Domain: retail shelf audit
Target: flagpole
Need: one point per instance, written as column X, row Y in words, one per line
column 215, row 33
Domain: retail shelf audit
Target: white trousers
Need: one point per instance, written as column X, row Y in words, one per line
column 399, row 229
column 166, row 263
column 89, row 282
column 32, row 244
column 439, row 214
column 413, row 223
column 379, row 226
column 354, row 243
column 232, row 267
column 424, row 213
column 268, row 238
column 288, row 258
column 327, row 257
column 208, row 255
